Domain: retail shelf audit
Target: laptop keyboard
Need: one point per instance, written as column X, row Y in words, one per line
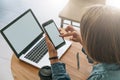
column 37, row 52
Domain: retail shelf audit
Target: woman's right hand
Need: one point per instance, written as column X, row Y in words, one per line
column 70, row 31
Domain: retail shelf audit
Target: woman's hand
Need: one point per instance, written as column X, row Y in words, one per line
column 70, row 31
column 52, row 51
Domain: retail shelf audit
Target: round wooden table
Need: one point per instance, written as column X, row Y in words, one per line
column 24, row 71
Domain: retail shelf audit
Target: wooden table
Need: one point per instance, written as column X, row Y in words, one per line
column 24, row 71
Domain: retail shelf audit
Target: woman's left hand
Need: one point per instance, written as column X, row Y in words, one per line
column 51, row 49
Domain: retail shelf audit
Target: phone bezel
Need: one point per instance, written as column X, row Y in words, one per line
column 47, row 23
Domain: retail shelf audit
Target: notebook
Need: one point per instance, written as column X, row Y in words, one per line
column 26, row 38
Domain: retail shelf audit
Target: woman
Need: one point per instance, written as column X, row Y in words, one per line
column 100, row 37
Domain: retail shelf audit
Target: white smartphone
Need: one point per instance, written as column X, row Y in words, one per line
column 53, row 33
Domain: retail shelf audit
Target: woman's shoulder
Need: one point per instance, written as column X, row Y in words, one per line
column 105, row 71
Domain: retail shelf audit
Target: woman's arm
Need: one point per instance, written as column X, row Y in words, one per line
column 59, row 71
column 58, row 68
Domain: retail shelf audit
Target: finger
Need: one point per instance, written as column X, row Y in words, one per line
column 73, row 39
column 59, row 29
column 67, row 34
column 69, row 28
column 61, row 34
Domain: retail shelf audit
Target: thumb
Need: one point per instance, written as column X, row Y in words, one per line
column 73, row 39
column 48, row 42
column 50, row 46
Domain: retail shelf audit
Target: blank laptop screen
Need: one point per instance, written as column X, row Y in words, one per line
column 22, row 32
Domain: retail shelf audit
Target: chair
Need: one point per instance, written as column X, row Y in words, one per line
column 74, row 10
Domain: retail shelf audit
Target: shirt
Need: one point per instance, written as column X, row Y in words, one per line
column 100, row 71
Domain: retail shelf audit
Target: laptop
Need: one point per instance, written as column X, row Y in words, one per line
column 25, row 36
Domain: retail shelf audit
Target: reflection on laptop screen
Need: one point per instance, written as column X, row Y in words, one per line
column 23, row 32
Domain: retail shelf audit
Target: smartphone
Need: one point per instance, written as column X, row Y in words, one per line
column 53, row 33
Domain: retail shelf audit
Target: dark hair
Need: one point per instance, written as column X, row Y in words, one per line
column 100, row 31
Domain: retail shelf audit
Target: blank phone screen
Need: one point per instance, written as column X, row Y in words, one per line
column 53, row 34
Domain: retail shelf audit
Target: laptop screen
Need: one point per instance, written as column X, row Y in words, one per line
column 22, row 32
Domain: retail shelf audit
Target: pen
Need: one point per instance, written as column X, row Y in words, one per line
column 78, row 62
